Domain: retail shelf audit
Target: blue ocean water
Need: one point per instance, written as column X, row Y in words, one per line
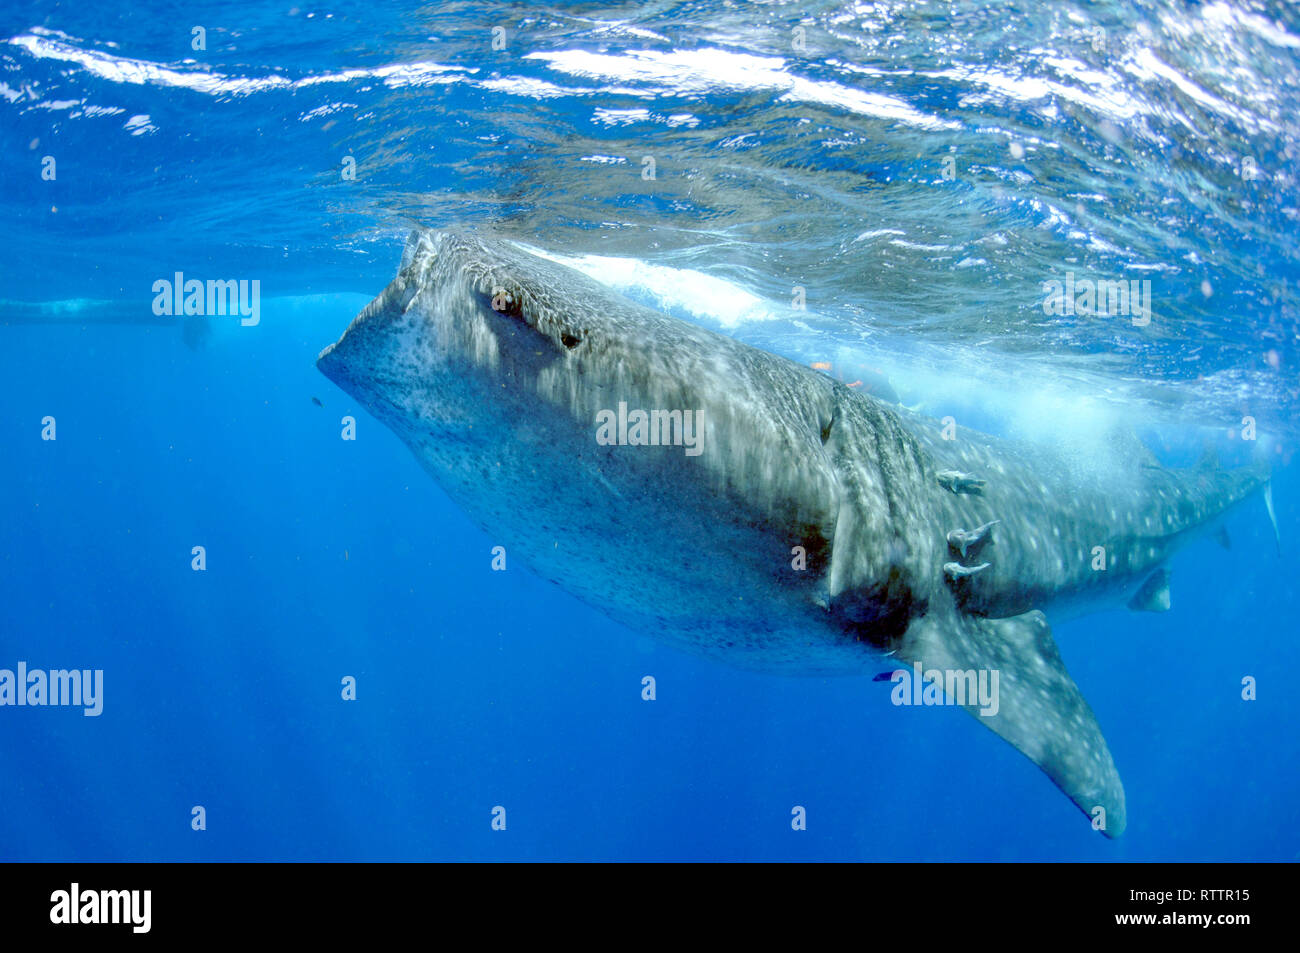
column 799, row 158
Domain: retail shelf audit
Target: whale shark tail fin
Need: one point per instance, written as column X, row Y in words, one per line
column 1260, row 476
column 1272, row 516
column 1035, row 705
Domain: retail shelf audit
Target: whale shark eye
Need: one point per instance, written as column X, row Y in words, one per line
column 570, row 341
column 503, row 302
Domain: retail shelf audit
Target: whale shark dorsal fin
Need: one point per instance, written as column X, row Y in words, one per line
column 1038, row 708
column 1126, row 441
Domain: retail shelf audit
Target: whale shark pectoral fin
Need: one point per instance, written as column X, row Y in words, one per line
column 1034, row 703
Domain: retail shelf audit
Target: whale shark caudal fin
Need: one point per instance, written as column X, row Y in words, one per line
column 1272, row 516
column 1038, row 707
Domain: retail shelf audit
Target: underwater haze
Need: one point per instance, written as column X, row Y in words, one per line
column 304, row 651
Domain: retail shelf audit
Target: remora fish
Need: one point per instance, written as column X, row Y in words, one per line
column 498, row 368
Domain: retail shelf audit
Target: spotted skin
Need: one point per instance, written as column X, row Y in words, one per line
column 809, row 535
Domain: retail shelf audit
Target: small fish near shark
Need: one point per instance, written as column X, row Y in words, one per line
column 850, row 530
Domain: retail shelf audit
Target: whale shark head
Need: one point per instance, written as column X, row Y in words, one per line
column 491, row 347
column 467, row 311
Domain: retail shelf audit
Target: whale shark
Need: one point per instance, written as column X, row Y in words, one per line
column 742, row 507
